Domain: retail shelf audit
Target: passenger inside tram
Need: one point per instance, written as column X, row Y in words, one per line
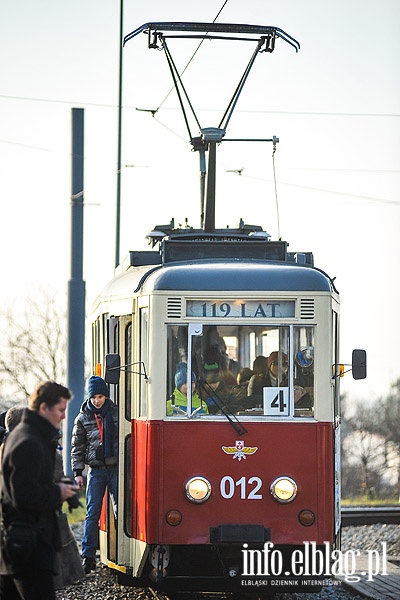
column 213, row 389
column 243, row 377
column 177, row 403
column 273, row 372
column 280, row 384
column 216, row 392
column 216, row 352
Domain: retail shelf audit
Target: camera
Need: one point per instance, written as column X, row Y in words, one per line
column 74, row 501
column 99, row 453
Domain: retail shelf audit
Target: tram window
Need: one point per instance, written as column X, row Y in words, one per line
column 128, row 377
column 144, row 332
column 335, row 355
column 303, row 351
column 96, row 341
column 250, row 369
column 113, row 347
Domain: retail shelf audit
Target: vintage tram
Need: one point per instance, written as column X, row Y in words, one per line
column 223, row 481
column 202, row 486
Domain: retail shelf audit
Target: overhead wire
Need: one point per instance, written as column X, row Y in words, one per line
column 190, row 59
column 276, row 191
column 321, row 190
column 303, row 113
column 32, row 147
column 240, row 172
column 239, row 110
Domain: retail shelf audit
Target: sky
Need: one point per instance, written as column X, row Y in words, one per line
column 334, row 105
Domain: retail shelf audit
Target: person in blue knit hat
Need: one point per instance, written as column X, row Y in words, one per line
column 177, row 403
column 95, row 444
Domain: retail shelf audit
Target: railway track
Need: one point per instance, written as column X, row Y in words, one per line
column 369, row 515
column 101, row 584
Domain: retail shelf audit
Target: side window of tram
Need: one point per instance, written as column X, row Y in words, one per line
column 144, row 317
column 96, row 341
column 128, row 377
column 335, row 362
column 303, row 371
column 177, row 350
column 268, row 387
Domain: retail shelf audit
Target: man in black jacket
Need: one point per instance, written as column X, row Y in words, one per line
column 29, row 496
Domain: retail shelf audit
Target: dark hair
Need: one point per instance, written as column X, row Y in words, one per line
column 260, row 365
column 244, row 375
column 13, row 417
column 48, row 392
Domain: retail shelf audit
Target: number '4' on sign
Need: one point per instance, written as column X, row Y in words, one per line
column 276, row 401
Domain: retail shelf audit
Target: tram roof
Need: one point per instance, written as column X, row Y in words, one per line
column 235, row 275
column 219, row 275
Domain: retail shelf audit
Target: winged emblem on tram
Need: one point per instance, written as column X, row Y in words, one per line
column 239, row 450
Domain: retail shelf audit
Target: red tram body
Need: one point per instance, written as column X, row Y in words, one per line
column 199, row 450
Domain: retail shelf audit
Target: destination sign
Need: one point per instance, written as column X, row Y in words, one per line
column 271, row 309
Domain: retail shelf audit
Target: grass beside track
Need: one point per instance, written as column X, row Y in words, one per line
column 77, row 514
column 363, row 501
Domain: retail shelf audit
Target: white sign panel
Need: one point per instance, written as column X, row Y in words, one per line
column 267, row 309
column 276, row 401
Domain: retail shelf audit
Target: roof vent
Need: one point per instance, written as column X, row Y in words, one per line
column 307, row 308
column 174, row 308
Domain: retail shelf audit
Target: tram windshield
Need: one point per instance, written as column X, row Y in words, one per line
column 249, row 370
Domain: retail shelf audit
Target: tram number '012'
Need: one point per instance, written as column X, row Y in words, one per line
column 248, row 489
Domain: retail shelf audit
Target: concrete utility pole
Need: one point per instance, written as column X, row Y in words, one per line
column 119, row 166
column 76, row 289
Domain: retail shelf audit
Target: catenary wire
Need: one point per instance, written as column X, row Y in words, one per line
column 324, row 191
column 245, row 111
column 190, row 60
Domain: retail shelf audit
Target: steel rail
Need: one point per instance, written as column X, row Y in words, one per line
column 369, row 515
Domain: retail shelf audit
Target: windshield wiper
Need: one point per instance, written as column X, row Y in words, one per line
column 223, row 407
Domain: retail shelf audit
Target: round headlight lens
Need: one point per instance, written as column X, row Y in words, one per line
column 284, row 489
column 198, row 489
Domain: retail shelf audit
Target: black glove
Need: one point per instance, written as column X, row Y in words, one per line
column 74, row 501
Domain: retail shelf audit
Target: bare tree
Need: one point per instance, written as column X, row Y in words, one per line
column 387, row 423
column 371, row 442
column 365, row 451
column 33, row 344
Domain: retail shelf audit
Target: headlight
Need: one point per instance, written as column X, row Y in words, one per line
column 284, row 489
column 198, row 489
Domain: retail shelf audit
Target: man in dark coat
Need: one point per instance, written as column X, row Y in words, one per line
column 29, row 495
column 3, row 430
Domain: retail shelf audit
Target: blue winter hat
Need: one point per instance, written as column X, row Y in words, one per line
column 181, row 375
column 96, row 385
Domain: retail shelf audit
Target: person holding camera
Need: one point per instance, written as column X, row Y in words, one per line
column 95, row 444
column 30, row 498
column 69, row 565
